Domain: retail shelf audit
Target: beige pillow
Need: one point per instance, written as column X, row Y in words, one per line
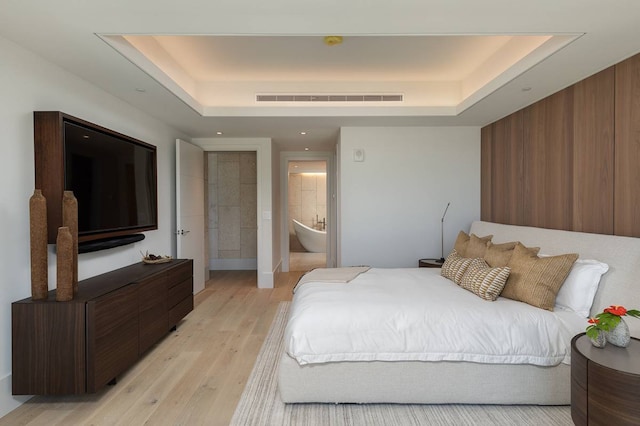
column 483, row 280
column 454, row 267
column 461, row 243
column 464, row 240
column 536, row 280
column 498, row 255
column 477, row 246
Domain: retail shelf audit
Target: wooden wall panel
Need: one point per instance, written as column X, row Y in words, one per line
column 593, row 151
column 580, row 158
column 485, row 173
column 627, row 148
column 507, row 171
column 548, row 162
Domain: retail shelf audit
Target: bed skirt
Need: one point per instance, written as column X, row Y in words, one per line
column 417, row 382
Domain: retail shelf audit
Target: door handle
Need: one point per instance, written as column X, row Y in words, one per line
column 182, row 232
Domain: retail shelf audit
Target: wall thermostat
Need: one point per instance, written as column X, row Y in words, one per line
column 358, row 154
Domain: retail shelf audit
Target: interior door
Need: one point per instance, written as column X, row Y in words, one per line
column 190, row 208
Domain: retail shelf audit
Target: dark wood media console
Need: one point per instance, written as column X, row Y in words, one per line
column 61, row 348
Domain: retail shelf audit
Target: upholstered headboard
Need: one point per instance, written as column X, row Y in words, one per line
column 619, row 286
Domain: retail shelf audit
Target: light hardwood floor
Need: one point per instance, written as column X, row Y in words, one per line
column 304, row 261
column 194, row 376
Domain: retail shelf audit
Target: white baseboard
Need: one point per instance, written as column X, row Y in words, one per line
column 9, row 402
column 232, row 264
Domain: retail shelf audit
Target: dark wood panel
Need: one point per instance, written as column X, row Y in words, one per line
column 593, row 151
column 102, row 284
column 153, row 317
column 180, row 273
column 613, row 396
column 627, row 148
column 485, row 173
column 49, row 162
column 180, row 311
column 112, row 335
column 180, row 292
column 548, row 162
column 506, row 170
column 48, row 341
column 579, row 404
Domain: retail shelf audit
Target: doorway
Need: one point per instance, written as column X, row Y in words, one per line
column 307, row 214
column 232, row 206
column 308, row 162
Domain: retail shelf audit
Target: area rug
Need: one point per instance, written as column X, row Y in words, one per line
column 260, row 402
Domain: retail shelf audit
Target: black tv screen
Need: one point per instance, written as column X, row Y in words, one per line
column 113, row 179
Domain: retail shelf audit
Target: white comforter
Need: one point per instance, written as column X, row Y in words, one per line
column 417, row 315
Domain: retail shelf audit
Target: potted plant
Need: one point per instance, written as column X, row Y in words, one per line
column 608, row 326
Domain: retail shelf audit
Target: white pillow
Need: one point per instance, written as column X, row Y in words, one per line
column 580, row 287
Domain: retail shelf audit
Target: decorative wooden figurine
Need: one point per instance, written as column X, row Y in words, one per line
column 38, row 234
column 64, row 250
column 70, row 220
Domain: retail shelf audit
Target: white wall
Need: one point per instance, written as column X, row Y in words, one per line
column 391, row 204
column 27, row 84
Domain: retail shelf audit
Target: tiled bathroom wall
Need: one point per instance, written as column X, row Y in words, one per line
column 307, row 201
column 232, row 210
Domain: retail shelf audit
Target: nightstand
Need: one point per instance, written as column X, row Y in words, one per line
column 605, row 383
column 429, row 263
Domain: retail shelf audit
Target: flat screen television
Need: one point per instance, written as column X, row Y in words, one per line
column 113, row 179
column 112, row 176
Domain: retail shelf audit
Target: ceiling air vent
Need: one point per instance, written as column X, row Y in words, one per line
column 330, row 98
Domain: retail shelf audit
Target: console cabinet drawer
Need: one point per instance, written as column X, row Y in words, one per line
column 179, row 292
column 180, row 273
column 112, row 335
column 152, row 300
column 180, row 311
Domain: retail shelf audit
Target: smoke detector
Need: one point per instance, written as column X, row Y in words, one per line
column 332, row 40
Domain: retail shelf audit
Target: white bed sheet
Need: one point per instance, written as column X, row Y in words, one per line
column 415, row 314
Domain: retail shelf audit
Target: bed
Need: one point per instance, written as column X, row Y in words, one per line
column 464, row 377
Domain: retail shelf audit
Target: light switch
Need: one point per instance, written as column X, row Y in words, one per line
column 358, row 154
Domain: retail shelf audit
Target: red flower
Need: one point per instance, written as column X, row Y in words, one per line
column 616, row 310
column 593, row 320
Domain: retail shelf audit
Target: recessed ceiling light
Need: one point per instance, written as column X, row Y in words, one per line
column 303, row 133
column 526, row 89
column 219, row 133
column 140, row 89
column 306, row 148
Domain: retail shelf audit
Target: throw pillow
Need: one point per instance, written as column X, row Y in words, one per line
column 477, row 246
column 498, row 255
column 463, row 240
column 460, row 245
column 454, row 267
column 580, row 287
column 483, row 280
column 536, row 280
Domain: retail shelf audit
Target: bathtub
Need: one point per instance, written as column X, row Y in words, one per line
column 311, row 239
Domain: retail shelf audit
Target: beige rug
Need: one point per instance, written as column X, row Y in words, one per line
column 260, row 402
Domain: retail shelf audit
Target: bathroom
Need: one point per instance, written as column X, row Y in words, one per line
column 307, row 204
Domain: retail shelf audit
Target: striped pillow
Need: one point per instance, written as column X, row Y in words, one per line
column 455, row 266
column 484, row 281
column 536, row 280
